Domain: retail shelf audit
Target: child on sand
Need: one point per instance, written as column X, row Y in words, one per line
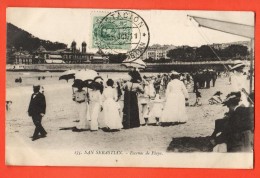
column 146, row 114
column 157, row 108
column 198, row 97
column 95, row 103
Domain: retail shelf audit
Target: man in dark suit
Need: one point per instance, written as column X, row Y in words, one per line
column 237, row 126
column 37, row 108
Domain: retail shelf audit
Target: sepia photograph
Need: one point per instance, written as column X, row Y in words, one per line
column 129, row 88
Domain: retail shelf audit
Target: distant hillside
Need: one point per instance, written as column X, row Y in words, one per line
column 20, row 38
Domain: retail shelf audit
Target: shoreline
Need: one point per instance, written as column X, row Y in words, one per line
column 151, row 67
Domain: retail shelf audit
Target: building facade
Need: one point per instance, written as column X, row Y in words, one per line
column 19, row 56
column 225, row 45
column 69, row 56
column 157, row 52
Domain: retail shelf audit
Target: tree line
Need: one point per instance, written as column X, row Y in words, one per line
column 207, row 53
column 189, row 54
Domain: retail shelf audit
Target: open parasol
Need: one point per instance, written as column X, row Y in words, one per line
column 84, row 78
column 68, row 74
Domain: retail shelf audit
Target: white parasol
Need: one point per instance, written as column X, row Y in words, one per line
column 84, row 78
column 86, row 75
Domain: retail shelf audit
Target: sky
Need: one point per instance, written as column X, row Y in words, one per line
column 166, row 26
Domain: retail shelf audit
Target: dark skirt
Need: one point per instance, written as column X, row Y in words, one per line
column 131, row 110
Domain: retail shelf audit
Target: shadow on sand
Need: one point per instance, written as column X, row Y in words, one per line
column 73, row 129
column 189, row 144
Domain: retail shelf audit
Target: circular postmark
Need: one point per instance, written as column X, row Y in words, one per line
column 123, row 30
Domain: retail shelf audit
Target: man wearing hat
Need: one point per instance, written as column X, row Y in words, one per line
column 238, row 126
column 37, row 108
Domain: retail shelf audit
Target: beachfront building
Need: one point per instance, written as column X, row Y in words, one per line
column 40, row 55
column 54, row 59
column 71, row 55
column 75, row 56
column 157, row 52
column 220, row 46
column 19, row 57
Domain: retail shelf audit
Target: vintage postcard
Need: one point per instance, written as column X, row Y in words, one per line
column 130, row 88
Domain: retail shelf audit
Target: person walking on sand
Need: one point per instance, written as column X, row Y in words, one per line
column 198, row 99
column 112, row 117
column 80, row 97
column 157, row 84
column 131, row 118
column 95, row 103
column 37, row 109
column 176, row 94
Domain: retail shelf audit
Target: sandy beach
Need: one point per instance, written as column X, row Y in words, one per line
column 61, row 114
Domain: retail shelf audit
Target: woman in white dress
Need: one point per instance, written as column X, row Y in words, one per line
column 151, row 89
column 240, row 83
column 176, row 94
column 80, row 97
column 95, row 102
column 112, row 118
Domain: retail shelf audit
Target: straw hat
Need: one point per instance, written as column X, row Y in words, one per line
column 175, row 73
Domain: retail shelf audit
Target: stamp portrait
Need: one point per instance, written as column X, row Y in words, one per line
column 121, row 30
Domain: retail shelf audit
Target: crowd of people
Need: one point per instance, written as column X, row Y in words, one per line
column 202, row 78
column 98, row 107
column 142, row 97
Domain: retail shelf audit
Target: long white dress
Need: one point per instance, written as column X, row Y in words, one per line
column 94, row 108
column 112, row 117
column 174, row 109
column 151, row 89
column 157, row 109
column 82, row 115
column 239, row 82
column 81, row 109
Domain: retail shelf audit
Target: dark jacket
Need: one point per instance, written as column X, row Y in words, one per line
column 239, row 121
column 37, row 104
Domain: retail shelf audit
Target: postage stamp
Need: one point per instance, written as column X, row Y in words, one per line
column 121, row 30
